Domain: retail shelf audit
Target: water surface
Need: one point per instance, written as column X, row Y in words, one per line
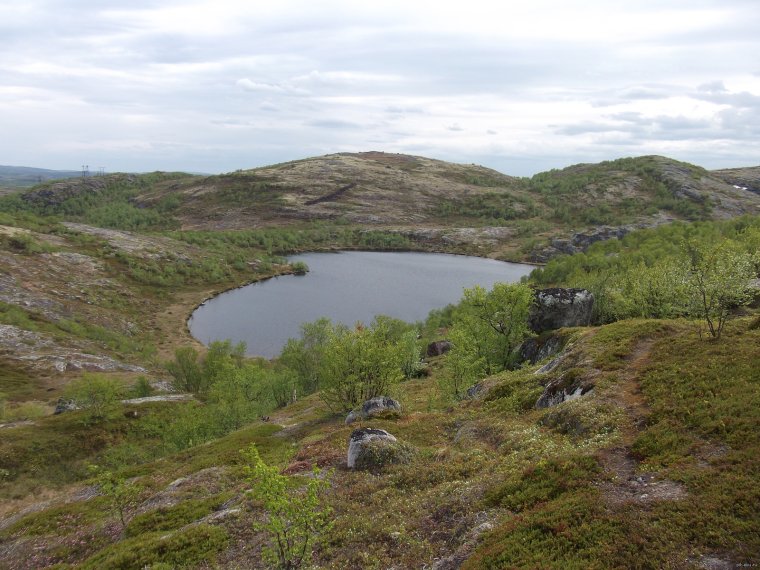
column 347, row 287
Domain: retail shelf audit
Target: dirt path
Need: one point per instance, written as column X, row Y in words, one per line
column 625, row 483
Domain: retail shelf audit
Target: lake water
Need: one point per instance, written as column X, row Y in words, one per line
column 346, row 287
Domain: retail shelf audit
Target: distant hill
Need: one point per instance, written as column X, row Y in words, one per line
column 449, row 206
column 384, row 189
column 25, row 176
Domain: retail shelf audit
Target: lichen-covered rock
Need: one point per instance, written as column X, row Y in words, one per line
column 381, row 406
column 559, row 307
column 373, row 449
column 438, row 347
column 474, row 391
column 569, row 386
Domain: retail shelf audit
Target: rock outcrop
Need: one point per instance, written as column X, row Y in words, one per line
column 541, row 347
column 558, row 307
column 568, row 386
column 381, row 406
column 438, row 347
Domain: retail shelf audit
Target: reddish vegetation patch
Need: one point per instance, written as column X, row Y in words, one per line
column 297, row 467
column 322, row 454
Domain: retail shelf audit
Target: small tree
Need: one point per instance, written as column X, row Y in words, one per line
column 122, row 495
column 98, row 395
column 494, row 323
column 296, row 520
column 718, row 280
column 358, row 365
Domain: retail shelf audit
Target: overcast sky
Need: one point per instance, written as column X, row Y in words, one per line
column 213, row 86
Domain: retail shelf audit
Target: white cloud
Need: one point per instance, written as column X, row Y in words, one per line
column 177, row 84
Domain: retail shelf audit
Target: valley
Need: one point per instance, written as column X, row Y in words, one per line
column 655, row 466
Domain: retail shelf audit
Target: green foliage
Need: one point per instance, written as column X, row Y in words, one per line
column 572, row 532
column 142, row 388
column 197, row 376
column 97, row 394
column 57, row 519
column 234, row 391
column 488, row 327
column 122, row 495
column 299, row 268
column 107, row 202
column 490, row 207
column 297, row 521
column 360, row 364
column 652, row 274
column 23, row 243
column 304, row 356
column 188, row 548
column 719, row 280
column 22, row 411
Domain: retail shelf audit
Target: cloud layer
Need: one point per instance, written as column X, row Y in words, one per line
column 216, row 86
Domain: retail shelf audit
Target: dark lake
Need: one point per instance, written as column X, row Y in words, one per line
column 346, row 287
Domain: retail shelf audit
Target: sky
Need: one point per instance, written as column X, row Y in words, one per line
column 521, row 87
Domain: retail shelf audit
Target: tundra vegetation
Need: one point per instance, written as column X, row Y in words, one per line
column 656, row 466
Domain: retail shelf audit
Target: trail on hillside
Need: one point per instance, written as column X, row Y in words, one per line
column 620, row 464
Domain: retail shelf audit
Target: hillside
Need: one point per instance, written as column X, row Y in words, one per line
column 436, row 205
column 654, row 465
column 15, row 177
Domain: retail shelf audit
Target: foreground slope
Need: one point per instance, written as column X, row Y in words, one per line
column 655, row 467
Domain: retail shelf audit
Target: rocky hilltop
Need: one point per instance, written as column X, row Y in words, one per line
column 435, row 204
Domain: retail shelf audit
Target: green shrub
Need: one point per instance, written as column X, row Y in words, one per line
column 96, row 394
column 142, row 388
column 296, row 521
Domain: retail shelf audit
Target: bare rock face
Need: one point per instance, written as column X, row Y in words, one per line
column 373, row 449
column 569, row 386
column 374, row 407
column 560, row 307
column 541, row 347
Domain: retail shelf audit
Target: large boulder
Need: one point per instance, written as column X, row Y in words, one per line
column 372, row 449
column 438, row 347
column 381, row 406
column 560, row 307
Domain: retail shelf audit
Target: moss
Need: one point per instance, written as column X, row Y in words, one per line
column 170, row 518
column 58, row 520
column 544, row 481
column 187, row 548
column 583, row 418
